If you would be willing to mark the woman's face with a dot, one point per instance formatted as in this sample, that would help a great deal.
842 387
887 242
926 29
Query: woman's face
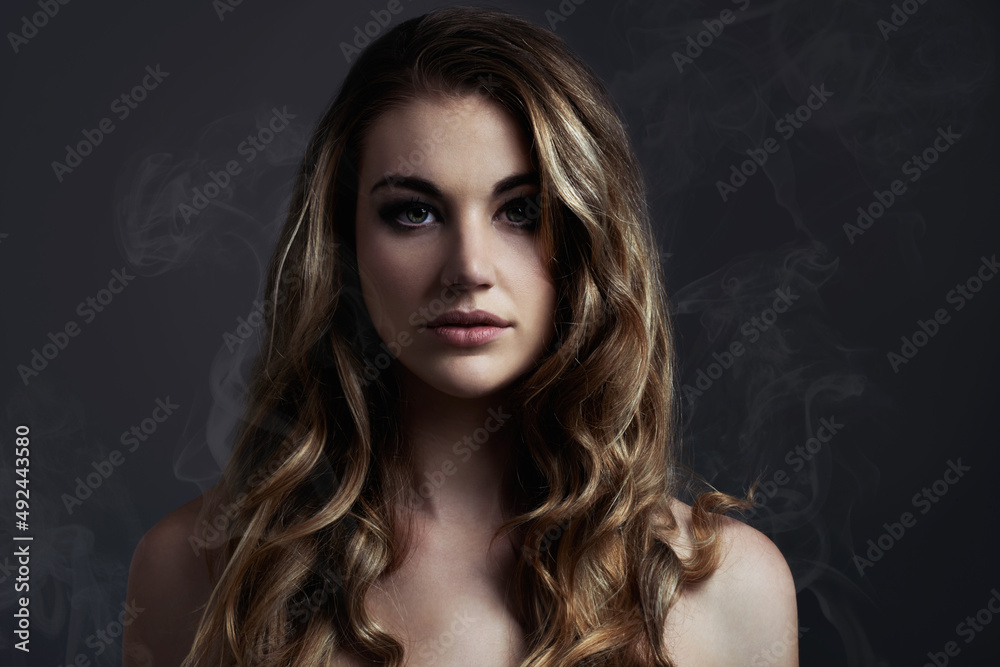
447 202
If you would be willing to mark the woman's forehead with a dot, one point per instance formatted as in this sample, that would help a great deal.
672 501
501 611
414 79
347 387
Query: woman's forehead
469 138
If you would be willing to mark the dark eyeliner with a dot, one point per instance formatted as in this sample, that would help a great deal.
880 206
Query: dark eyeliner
390 211
523 202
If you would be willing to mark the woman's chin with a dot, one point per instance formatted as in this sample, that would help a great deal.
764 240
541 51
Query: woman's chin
472 381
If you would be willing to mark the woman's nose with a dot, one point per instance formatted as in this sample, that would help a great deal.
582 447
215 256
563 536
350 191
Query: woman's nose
470 252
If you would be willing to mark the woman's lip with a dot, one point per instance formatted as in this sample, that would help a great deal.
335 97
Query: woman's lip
468 336
469 318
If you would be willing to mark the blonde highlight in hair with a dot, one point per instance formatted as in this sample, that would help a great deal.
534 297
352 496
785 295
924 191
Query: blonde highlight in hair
597 415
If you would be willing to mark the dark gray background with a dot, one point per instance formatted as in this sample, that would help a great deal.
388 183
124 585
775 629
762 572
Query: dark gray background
826 357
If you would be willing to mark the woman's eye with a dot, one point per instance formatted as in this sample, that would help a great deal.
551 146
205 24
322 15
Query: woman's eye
521 213
408 214
516 214
417 215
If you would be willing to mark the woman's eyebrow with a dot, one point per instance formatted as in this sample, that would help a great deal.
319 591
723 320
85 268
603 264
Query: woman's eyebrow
408 182
426 187
516 180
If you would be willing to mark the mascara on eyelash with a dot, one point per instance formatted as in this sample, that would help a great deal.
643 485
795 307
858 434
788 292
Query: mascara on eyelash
390 211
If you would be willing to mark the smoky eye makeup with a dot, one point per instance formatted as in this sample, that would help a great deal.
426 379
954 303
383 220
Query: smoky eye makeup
408 214
520 213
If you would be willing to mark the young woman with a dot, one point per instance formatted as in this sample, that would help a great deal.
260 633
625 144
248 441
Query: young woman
459 447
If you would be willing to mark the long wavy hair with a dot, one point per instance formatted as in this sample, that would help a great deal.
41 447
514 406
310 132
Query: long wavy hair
310 494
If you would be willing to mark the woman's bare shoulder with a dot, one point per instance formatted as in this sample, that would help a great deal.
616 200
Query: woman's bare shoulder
745 612
168 585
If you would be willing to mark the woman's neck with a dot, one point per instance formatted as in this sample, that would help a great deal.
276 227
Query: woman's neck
459 451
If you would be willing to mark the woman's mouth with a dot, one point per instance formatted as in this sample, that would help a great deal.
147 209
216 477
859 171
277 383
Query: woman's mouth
468 336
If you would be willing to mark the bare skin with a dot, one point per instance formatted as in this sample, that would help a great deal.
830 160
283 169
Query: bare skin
448 603
448 593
